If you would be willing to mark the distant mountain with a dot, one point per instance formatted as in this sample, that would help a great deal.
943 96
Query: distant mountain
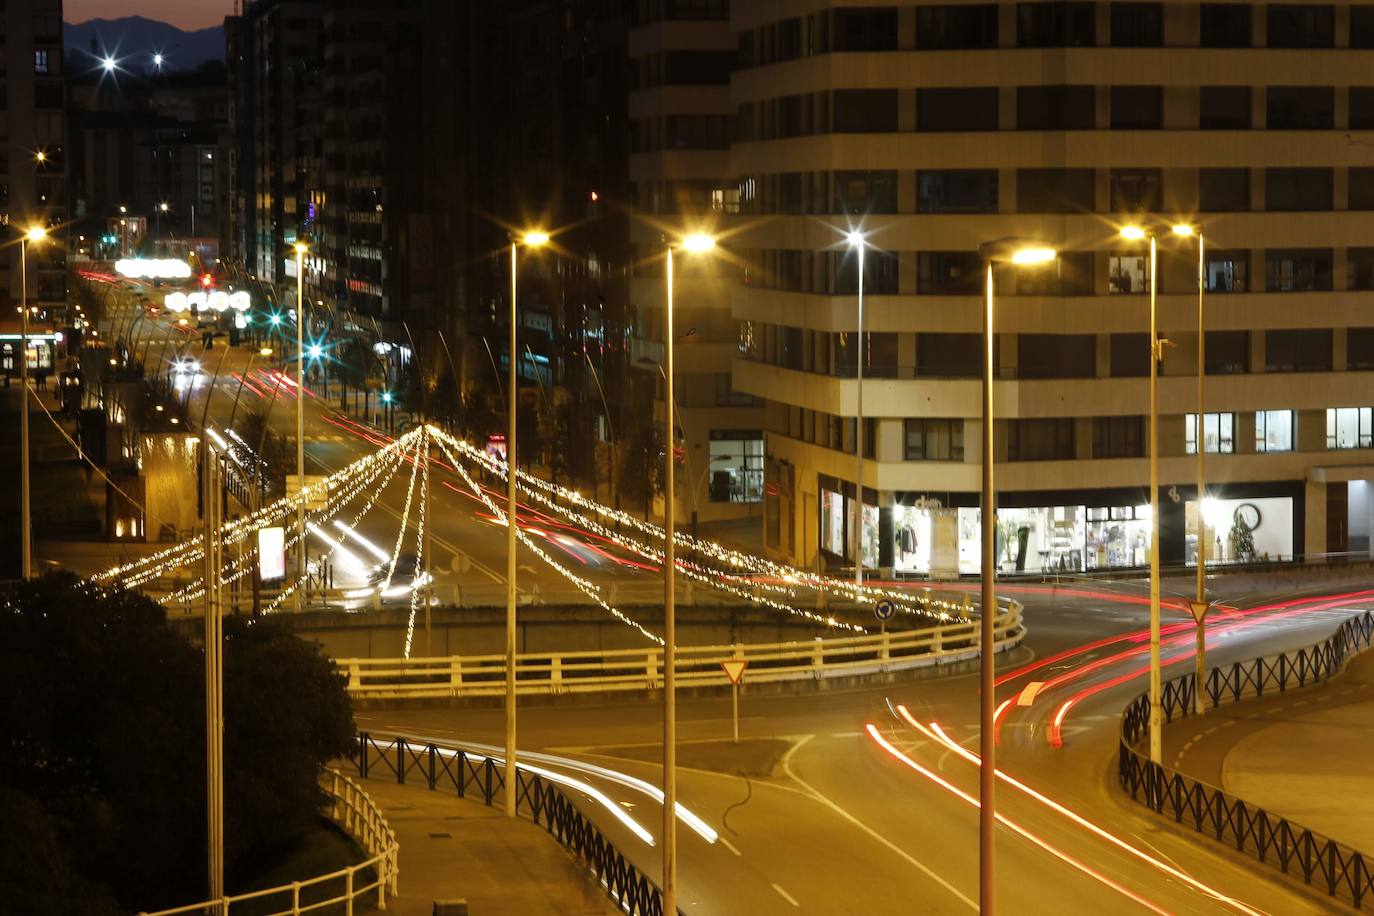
134 40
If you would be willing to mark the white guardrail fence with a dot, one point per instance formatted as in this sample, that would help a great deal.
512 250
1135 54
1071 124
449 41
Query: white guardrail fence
697 666
354 811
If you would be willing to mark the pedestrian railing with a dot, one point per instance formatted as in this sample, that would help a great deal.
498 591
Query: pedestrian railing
1321 862
697 666
355 886
452 769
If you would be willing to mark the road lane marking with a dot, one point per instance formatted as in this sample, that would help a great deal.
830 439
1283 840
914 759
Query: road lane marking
786 896
787 768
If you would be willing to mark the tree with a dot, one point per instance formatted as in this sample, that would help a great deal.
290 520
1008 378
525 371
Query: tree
103 727
641 463
273 450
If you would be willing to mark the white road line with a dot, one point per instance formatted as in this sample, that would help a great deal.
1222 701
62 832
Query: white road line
787 768
786 896
731 846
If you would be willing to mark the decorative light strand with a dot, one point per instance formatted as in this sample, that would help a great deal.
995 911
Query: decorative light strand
586 587
419 542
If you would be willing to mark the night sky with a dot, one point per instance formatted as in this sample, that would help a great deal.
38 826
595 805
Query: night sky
184 14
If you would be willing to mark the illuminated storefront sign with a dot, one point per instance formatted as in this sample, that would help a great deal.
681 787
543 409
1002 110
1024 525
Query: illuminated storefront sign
153 269
216 300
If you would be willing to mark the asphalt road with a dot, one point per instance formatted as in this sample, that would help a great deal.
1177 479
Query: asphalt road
863 812
841 825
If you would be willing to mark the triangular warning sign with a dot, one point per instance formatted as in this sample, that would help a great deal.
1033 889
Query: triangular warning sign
734 669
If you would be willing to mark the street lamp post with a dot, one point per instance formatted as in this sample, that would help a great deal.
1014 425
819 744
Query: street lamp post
533 239
32 234
303 589
856 241
1135 233
696 243
1184 230
1021 253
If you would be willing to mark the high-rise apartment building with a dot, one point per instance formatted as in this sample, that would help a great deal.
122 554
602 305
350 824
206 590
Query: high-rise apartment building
681 115
932 128
34 186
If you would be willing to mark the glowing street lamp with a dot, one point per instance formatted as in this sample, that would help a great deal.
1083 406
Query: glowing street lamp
32 235
694 243
533 238
1137 234
1020 253
855 240
300 248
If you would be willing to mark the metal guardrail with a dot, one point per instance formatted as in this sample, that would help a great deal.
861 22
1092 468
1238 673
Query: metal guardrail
354 811
1344 873
464 773
697 666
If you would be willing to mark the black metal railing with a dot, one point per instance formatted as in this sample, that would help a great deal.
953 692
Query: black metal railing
477 775
1321 862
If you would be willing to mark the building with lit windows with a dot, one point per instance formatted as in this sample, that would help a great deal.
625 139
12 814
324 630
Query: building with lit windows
933 128
681 122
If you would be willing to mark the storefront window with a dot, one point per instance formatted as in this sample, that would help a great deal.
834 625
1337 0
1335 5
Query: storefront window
1244 530
832 522
1117 536
911 539
870 537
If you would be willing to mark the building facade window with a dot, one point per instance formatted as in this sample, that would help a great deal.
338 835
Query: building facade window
956 191
949 355
1054 356
1040 439
1359 349
1137 107
857 193
1297 270
1349 427
1218 433
934 440
957 109
1118 437
1224 108
40 61
1225 271
948 273
1297 350
1362 25
956 28
1137 190
865 111
1137 25
1300 108
1223 190
1297 189
1055 107
1128 273
1225 25
1228 353
1305 26
1055 190
736 474
865 29
1056 25
1274 430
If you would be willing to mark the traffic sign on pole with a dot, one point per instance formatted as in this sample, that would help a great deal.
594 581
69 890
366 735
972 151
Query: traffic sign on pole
885 610
734 670
1199 609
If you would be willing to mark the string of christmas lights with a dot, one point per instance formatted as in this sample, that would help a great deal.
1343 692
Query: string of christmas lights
586 587
243 564
419 542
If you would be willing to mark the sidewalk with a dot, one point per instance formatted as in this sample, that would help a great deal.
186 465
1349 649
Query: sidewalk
458 848
1312 764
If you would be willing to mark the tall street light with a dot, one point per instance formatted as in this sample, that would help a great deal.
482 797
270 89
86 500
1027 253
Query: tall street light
1137 234
696 243
1020 253
301 248
1199 605
31 235
532 239
856 241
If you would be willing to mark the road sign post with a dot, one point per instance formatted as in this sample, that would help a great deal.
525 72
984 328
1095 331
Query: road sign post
1199 609
734 670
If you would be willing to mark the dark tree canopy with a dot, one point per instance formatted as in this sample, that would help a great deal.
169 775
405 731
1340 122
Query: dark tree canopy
103 727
